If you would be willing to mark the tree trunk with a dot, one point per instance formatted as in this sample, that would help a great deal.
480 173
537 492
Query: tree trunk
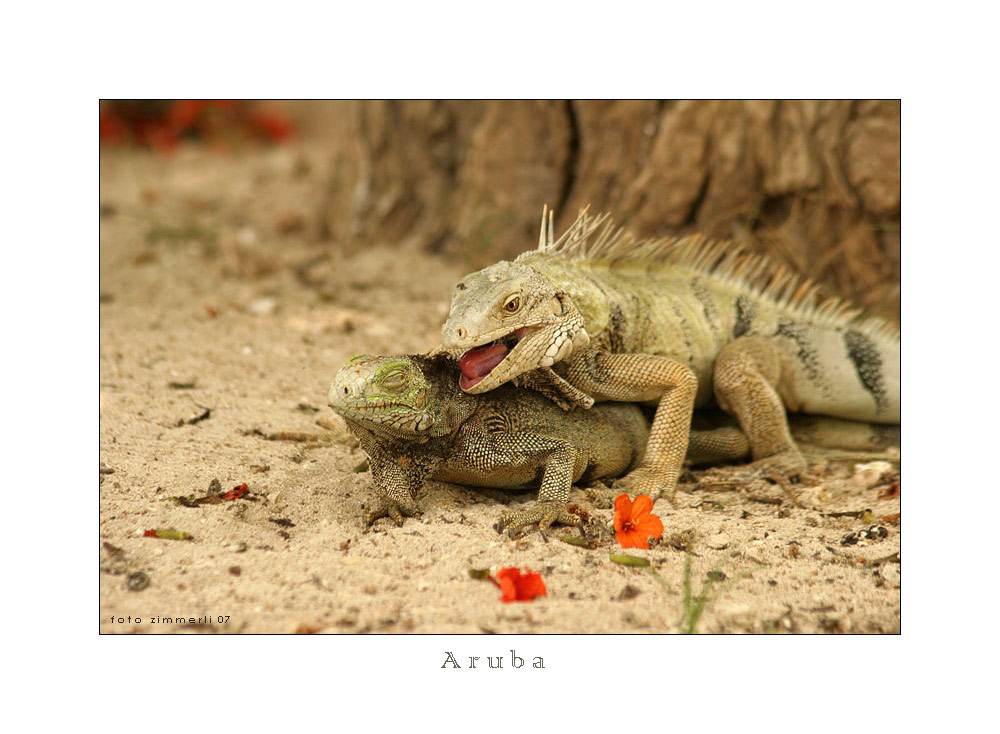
814 184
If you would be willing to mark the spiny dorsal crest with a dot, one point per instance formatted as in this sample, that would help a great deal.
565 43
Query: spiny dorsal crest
596 241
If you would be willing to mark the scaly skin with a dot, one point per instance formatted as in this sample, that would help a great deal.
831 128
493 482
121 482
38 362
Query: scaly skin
415 423
679 323
716 438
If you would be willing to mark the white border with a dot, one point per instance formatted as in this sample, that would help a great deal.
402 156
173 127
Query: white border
61 59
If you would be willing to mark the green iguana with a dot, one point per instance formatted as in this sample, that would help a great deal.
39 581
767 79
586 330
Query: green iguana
414 423
598 315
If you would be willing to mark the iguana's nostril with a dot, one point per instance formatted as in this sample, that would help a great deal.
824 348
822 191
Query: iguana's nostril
461 332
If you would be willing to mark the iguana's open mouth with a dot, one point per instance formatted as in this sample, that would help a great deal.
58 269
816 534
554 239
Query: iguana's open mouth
476 363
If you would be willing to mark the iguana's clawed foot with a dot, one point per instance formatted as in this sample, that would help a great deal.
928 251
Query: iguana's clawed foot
555 388
645 480
395 511
542 515
785 469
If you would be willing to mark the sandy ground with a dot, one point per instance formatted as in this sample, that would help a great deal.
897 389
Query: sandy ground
223 320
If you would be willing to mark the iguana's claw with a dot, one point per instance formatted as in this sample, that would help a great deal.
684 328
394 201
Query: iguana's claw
392 509
788 467
645 480
541 514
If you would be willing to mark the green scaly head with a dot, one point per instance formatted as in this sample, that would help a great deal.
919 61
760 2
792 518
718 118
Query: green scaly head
404 395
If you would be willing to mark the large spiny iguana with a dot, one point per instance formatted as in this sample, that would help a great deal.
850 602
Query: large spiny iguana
598 315
414 423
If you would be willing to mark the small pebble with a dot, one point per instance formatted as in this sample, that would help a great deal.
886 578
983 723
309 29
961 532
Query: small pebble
735 609
718 542
872 532
237 547
866 476
137 581
262 306
629 592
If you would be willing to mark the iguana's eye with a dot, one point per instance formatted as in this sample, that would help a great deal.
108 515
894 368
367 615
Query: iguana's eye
394 381
513 304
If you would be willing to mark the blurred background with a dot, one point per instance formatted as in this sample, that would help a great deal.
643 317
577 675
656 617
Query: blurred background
814 184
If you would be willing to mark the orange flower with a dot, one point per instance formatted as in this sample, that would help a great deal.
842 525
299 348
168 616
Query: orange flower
635 521
517 586
236 492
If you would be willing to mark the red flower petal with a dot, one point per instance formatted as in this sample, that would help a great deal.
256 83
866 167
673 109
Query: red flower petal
520 587
236 492
635 521
529 586
623 511
631 539
643 505
508 589
650 526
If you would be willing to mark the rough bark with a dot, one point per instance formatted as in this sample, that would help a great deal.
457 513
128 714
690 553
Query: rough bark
815 184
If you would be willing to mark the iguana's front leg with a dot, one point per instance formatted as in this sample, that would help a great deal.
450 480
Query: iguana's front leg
519 450
639 378
396 476
396 490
